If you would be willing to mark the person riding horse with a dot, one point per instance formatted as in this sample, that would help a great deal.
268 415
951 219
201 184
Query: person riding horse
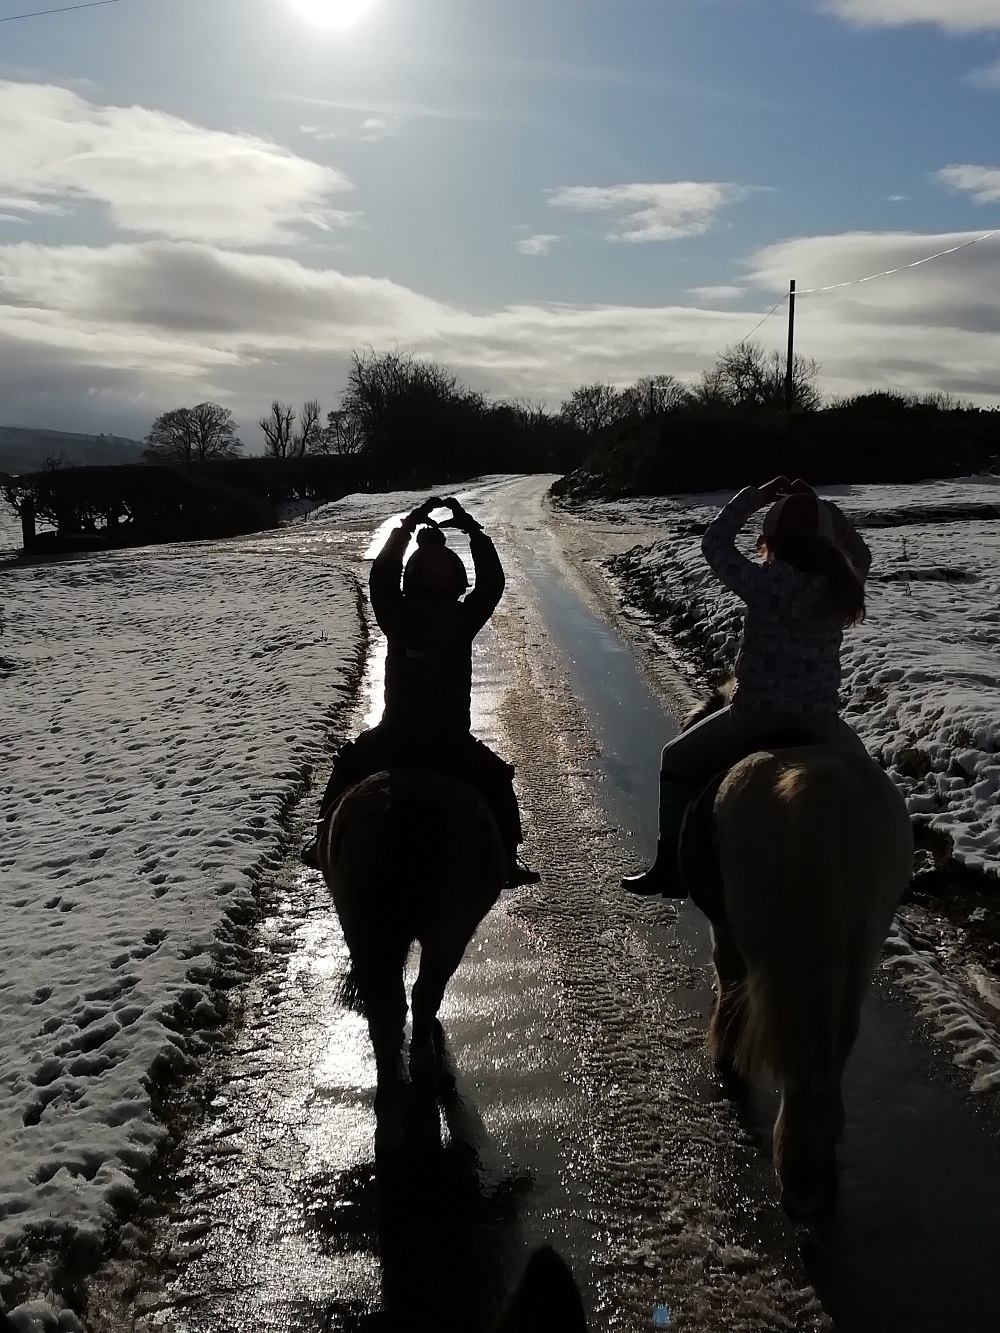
807 587
429 627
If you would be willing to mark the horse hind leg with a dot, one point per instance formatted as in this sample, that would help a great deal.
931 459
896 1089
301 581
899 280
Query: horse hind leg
438 962
810 1121
383 996
728 1017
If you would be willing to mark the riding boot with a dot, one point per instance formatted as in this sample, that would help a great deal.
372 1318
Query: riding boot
309 855
520 873
664 876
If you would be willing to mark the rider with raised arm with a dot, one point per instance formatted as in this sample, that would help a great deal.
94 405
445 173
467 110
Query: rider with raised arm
806 588
429 627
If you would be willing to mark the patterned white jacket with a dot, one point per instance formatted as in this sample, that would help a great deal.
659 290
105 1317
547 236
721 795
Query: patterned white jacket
789 654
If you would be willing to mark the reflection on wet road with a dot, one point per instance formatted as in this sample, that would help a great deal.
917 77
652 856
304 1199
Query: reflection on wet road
575 1103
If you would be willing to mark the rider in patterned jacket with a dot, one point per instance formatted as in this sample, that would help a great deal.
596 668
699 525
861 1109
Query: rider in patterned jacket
806 588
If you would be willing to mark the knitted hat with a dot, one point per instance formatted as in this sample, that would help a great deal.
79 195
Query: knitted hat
433 561
799 515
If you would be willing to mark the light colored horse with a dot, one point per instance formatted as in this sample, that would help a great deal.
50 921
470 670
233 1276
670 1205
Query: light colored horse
816 850
408 856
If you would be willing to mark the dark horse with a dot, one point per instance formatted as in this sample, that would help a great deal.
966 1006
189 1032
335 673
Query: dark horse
815 850
408 856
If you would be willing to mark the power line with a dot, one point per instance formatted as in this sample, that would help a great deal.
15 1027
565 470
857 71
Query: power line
870 277
886 272
777 303
63 9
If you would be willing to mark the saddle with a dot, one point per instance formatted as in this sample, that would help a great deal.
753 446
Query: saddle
698 849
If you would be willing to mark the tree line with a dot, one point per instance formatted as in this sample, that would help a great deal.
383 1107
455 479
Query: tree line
391 393
402 418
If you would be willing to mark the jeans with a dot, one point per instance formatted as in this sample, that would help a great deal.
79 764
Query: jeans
722 738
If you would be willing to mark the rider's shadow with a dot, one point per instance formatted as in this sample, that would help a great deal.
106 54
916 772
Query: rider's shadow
443 1213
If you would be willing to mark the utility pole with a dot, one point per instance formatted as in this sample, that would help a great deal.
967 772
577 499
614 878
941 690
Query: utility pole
789 363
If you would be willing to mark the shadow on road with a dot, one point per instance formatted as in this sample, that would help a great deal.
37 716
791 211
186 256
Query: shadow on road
442 1214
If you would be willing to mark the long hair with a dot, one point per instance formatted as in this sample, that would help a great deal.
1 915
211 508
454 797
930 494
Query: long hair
845 590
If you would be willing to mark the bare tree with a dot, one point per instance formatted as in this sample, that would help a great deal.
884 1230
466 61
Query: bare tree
745 375
277 428
527 416
593 407
341 435
380 383
193 435
652 395
307 437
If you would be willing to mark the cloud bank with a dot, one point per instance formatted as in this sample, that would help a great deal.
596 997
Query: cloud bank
155 174
131 329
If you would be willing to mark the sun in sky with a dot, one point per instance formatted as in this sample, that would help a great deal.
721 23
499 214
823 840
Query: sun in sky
332 13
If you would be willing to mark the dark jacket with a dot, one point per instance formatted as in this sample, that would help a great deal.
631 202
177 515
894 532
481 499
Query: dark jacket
428 668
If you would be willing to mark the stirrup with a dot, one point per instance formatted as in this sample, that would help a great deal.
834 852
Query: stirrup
309 855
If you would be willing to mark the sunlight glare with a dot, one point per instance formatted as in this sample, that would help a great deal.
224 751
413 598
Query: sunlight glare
332 13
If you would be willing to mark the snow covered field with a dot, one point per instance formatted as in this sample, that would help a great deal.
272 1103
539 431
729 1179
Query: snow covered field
921 675
163 707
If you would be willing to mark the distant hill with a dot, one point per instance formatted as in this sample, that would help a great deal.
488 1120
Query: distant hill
24 449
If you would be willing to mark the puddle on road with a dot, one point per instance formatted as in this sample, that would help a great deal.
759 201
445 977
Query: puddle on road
290 1223
286 1220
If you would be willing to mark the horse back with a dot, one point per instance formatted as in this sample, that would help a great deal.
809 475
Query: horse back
407 848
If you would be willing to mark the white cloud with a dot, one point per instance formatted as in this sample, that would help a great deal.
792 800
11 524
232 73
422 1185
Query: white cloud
371 127
988 78
30 206
955 15
982 183
652 212
725 292
377 127
156 174
131 329
539 244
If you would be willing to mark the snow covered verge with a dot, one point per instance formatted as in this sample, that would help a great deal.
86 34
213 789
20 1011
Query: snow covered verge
921 677
161 710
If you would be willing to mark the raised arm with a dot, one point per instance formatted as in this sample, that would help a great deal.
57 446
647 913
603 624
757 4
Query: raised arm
482 601
746 578
386 574
490 580
850 540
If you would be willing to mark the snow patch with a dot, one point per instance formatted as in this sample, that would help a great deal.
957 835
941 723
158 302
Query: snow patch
921 676
163 708
954 1018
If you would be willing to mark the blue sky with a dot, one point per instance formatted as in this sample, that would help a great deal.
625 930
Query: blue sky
221 198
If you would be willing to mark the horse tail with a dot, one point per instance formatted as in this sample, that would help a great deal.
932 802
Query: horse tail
811 908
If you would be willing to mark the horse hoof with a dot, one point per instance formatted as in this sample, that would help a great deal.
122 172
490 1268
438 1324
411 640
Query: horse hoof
806 1203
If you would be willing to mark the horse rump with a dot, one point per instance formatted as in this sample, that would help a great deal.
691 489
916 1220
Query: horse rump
812 882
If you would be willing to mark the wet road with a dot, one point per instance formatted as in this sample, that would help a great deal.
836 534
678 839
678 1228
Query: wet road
580 1107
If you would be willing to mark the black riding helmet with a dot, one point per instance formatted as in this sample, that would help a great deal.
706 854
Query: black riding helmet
434 567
